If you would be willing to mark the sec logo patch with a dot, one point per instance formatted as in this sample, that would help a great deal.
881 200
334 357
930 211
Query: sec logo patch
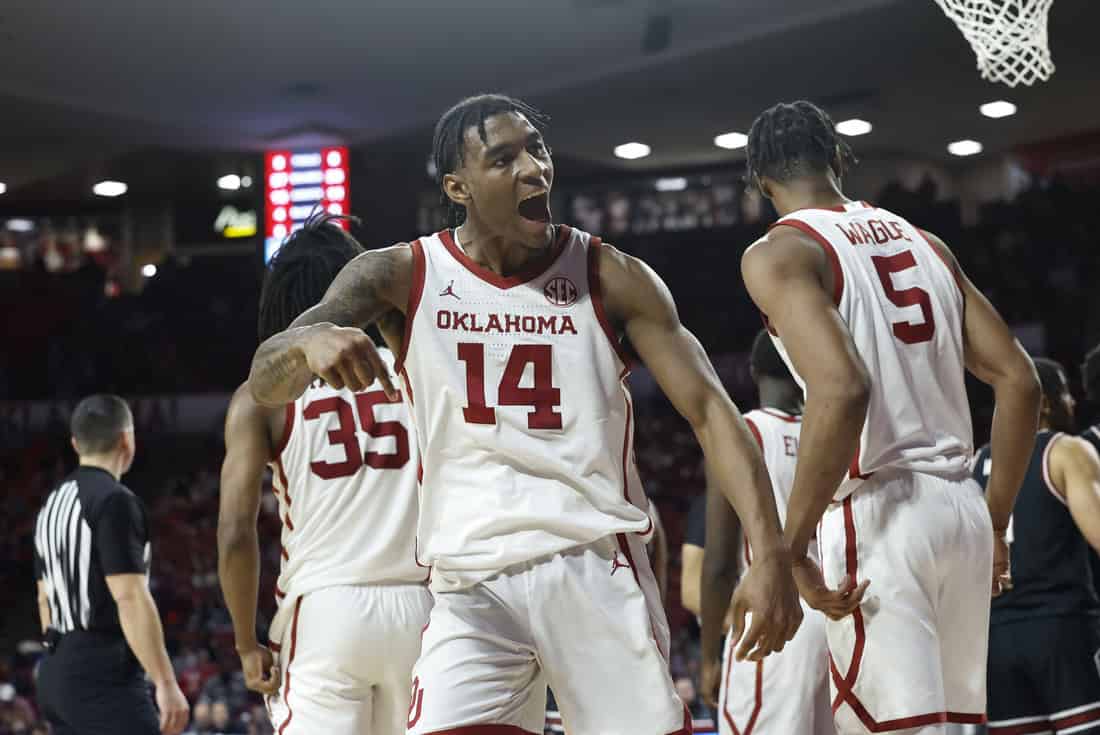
560 291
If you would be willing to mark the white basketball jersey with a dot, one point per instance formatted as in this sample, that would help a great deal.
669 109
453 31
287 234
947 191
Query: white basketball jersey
521 408
346 482
777 432
904 309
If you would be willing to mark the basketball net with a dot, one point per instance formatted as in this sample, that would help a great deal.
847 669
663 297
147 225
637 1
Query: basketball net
1009 37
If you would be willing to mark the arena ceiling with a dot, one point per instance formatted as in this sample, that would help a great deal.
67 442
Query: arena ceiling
83 82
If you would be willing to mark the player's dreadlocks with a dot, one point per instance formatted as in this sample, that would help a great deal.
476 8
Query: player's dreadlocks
449 141
765 360
303 269
795 139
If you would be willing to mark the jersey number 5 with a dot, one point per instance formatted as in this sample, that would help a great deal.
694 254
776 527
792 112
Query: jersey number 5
345 435
543 397
908 332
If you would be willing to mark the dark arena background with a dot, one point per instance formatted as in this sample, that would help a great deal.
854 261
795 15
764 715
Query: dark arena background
154 155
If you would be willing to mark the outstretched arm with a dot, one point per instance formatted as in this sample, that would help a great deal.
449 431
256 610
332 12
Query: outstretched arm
248 448
784 274
636 298
995 357
328 339
1075 472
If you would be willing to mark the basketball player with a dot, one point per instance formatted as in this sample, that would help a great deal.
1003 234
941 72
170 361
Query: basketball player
878 323
1044 638
789 692
532 511
352 599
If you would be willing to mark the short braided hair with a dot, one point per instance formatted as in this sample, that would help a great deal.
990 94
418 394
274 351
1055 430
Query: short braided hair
795 139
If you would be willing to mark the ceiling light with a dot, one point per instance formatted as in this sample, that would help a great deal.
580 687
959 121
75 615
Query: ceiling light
631 151
999 108
246 181
3 187
148 270
229 182
678 183
20 225
731 141
109 189
964 148
853 127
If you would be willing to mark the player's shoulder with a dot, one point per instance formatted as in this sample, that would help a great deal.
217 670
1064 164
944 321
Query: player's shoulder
781 246
245 418
1071 448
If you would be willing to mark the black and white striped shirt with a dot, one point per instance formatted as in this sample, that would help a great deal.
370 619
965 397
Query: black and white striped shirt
90 527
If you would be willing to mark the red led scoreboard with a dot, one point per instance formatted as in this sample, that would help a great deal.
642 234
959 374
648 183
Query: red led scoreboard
298 183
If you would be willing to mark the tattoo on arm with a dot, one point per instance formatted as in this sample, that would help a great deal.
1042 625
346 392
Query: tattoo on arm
362 292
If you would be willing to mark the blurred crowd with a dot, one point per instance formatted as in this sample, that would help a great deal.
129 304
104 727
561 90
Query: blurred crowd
192 331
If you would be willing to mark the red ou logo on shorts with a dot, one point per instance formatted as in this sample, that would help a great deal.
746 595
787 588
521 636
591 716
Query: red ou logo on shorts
560 291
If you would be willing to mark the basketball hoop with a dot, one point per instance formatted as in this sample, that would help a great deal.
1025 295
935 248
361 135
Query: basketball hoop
1009 37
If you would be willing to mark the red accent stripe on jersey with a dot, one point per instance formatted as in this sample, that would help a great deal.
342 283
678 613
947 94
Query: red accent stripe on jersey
781 415
275 647
293 648
854 472
755 432
1063 723
484 730
495 279
834 260
288 426
758 704
282 552
1046 469
283 481
278 592
416 291
408 385
768 325
288 522
595 293
845 687
939 254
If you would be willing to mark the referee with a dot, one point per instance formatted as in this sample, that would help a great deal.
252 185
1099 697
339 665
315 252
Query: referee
100 622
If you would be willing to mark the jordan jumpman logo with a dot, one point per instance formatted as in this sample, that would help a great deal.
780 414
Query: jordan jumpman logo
450 290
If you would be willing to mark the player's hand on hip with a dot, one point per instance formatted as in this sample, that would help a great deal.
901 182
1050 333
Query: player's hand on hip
1002 572
837 603
767 590
173 706
711 681
261 673
345 357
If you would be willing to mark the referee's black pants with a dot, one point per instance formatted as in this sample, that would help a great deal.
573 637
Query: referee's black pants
91 684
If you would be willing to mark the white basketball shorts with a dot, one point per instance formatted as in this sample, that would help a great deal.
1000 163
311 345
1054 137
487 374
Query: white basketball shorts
914 655
346 660
785 694
586 621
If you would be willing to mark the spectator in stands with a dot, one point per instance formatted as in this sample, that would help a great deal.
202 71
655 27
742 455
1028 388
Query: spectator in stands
224 723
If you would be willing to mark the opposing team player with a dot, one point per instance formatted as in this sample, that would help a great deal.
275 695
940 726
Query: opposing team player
1044 638
789 691
532 509
878 322
352 599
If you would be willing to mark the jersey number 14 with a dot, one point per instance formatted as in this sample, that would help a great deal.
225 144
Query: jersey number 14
543 397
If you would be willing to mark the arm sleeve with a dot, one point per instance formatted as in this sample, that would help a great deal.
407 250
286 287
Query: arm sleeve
695 532
121 535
